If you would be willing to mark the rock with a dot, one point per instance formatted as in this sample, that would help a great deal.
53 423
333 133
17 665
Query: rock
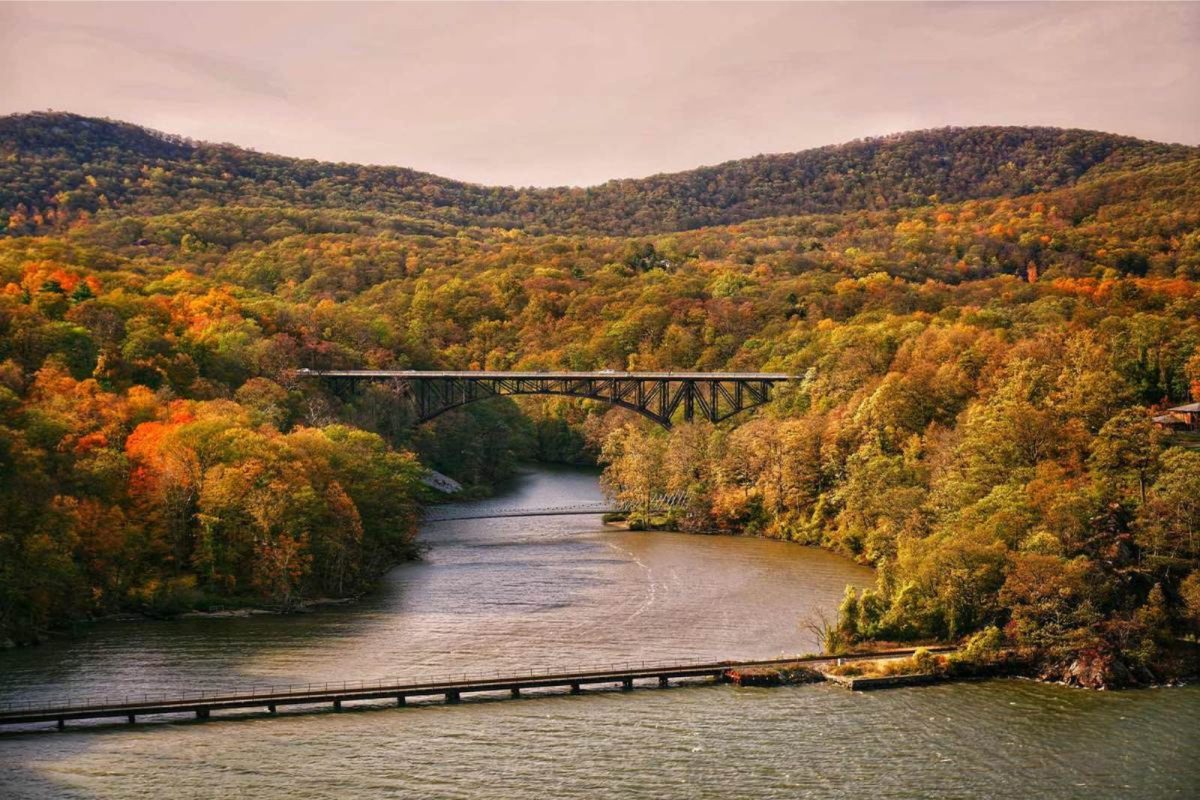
1098 670
442 483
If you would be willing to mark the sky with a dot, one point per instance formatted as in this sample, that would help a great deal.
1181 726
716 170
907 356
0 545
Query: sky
548 94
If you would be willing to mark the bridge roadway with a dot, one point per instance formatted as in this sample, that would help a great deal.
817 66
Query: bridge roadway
202 704
659 396
603 374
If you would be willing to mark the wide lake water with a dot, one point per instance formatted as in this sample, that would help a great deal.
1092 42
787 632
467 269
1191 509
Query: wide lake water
536 592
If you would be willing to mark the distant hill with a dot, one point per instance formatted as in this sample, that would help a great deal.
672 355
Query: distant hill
55 167
985 321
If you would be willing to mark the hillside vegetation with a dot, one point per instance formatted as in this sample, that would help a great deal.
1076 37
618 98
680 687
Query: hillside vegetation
978 370
56 167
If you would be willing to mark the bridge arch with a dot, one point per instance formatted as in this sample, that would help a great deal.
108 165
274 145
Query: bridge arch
658 396
621 403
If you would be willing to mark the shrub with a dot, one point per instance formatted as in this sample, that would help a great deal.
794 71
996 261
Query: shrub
168 596
924 661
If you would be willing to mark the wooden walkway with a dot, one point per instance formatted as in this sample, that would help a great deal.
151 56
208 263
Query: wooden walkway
659 504
451 689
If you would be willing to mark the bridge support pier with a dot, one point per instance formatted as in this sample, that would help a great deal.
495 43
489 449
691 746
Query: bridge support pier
401 700
132 719
453 697
627 684
337 705
271 709
516 692
663 681
201 713
62 723
575 689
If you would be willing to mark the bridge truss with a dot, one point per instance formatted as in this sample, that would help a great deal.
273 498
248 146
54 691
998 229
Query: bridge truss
660 396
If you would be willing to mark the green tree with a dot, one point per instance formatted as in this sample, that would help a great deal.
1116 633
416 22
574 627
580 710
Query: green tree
1169 523
1127 449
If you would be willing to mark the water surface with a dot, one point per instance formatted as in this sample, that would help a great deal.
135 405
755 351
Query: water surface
537 592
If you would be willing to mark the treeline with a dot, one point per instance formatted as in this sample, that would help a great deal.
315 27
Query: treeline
1006 481
132 500
977 376
734 296
57 168
157 456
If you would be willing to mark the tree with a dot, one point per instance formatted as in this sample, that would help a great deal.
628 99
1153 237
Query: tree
1192 371
1189 590
1127 448
634 476
268 399
1169 523
1051 601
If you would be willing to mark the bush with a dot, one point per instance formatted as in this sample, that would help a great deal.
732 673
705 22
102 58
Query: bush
924 661
981 647
168 596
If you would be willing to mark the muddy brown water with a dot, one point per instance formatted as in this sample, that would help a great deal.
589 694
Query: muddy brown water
520 593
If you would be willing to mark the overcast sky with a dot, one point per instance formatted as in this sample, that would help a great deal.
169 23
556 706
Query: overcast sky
547 94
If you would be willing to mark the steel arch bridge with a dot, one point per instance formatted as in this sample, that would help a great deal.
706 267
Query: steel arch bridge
659 396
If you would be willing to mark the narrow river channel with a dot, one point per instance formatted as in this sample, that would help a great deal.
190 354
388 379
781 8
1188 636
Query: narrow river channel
519 593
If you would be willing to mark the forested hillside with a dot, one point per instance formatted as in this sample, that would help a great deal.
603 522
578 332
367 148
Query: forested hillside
980 346
55 168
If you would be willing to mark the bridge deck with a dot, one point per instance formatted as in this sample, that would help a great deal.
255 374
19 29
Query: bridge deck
201 704
659 396
593 375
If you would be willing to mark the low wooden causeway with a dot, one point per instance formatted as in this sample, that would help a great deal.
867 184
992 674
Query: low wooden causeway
201 705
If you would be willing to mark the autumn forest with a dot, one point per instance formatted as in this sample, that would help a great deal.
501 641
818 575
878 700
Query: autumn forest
983 321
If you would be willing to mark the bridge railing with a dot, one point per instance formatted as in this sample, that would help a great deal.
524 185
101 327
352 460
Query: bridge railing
251 691
451 680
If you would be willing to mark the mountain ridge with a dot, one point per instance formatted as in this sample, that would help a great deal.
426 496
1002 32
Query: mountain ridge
57 167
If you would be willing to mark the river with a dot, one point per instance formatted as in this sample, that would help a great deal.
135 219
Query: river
519 593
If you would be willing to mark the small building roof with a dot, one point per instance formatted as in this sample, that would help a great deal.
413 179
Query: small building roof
1190 408
1165 419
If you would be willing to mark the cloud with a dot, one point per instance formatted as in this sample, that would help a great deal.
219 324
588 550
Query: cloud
578 93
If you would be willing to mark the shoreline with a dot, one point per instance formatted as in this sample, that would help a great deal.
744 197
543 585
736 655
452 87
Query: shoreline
1183 671
234 612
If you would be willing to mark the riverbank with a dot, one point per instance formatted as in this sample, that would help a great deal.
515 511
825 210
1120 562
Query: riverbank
231 609
926 666
487 594
510 594
179 598
1177 662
